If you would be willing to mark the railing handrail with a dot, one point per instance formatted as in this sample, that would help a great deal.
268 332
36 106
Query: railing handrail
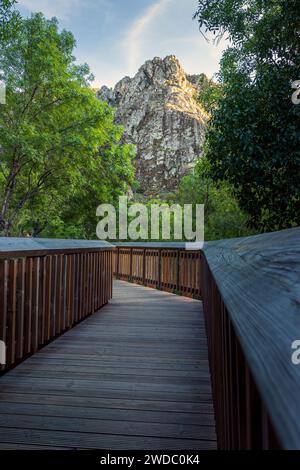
258 280
27 246
186 246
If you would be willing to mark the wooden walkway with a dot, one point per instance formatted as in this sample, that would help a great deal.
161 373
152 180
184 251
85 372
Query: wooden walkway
133 376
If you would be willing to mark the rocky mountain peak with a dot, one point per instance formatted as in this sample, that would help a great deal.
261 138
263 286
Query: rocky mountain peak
162 118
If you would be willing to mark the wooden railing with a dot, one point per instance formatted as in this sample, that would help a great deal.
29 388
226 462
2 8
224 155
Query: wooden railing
46 287
166 266
251 298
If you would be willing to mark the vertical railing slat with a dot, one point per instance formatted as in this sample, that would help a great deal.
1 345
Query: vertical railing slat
20 307
3 299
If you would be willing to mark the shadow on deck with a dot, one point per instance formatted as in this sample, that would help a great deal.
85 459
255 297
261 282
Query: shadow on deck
135 375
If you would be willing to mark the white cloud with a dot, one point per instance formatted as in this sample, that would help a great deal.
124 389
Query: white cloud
113 50
62 9
137 30
167 28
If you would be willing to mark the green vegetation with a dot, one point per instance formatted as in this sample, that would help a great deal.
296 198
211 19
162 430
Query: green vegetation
61 153
60 149
210 94
9 19
223 216
253 141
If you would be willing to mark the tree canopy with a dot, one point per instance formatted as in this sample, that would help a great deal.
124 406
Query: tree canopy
253 141
223 216
61 154
9 19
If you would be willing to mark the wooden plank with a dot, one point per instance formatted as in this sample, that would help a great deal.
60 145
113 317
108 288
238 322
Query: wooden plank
20 308
42 303
74 387
107 426
134 387
81 440
48 290
28 305
3 298
64 292
58 303
115 361
93 381
70 368
69 291
35 303
80 283
54 294
76 287
68 410
84 402
11 311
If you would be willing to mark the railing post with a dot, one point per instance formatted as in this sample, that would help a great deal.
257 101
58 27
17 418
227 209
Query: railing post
144 265
178 271
159 269
3 302
131 261
118 262
200 275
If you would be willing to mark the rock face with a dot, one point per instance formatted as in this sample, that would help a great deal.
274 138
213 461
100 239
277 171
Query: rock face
162 119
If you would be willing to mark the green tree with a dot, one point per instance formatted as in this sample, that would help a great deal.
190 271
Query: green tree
210 93
9 19
253 141
223 216
60 149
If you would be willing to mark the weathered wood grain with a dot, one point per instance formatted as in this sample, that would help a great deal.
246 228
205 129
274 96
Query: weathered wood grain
13 246
258 279
132 376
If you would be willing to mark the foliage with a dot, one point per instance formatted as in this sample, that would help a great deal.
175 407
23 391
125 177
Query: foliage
254 137
210 93
223 216
60 149
9 19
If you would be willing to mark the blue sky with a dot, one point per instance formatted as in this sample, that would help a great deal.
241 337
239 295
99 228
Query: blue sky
115 37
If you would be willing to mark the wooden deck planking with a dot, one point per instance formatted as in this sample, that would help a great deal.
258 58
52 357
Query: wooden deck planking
134 375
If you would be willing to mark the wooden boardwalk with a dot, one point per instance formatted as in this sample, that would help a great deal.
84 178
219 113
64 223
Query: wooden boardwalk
133 376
